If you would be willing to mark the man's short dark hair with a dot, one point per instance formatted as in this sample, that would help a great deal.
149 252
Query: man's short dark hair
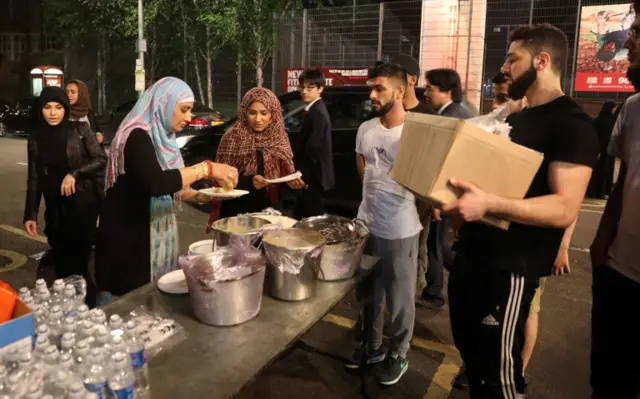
499 79
313 77
387 70
446 80
543 37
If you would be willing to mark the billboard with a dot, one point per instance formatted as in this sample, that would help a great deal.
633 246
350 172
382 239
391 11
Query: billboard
334 77
601 61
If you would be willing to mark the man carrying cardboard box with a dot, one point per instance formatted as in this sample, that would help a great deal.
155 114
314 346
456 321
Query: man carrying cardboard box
390 213
496 272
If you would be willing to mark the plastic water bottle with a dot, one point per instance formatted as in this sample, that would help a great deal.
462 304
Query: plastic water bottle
135 347
103 338
15 385
95 376
29 301
25 361
116 324
80 354
99 317
69 325
44 330
51 359
66 361
23 292
40 283
121 379
11 358
35 390
40 313
55 322
57 385
82 313
43 296
76 390
118 344
85 331
67 342
42 342
69 300
58 290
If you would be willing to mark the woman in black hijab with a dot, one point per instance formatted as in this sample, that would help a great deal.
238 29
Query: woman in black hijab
602 179
66 166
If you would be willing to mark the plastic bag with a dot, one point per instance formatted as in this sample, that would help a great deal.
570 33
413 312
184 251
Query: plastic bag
80 284
494 122
289 250
234 261
157 331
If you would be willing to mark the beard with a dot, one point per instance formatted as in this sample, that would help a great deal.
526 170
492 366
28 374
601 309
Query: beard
633 75
519 86
384 108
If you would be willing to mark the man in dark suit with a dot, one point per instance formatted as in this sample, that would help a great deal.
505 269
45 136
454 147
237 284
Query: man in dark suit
444 93
313 154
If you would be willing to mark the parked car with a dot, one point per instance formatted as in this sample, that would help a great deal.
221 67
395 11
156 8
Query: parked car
203 117
348 106
18 119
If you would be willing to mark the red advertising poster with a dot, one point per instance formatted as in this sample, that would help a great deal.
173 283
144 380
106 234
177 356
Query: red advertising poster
334 77
601 61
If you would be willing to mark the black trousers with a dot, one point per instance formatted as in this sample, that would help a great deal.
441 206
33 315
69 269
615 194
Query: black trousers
70 230
309 202
488 310
615 338
440 256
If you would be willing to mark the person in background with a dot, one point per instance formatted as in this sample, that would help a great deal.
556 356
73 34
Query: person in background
602 180
314 150
496 272
138 233
444 94
66 166
81 106
258 147
500 84
615 253
389 211
412 69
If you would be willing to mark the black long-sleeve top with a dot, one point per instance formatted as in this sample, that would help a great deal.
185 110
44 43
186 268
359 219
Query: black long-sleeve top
123 250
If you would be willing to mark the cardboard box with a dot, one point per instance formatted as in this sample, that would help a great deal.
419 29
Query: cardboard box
19 331
434 149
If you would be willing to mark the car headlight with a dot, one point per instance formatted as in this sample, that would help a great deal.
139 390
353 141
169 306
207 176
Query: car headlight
183 140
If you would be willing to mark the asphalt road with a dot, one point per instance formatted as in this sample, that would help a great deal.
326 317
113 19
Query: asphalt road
559 368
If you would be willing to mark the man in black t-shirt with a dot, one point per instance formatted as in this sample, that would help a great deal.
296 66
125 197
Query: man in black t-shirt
412 69
496 272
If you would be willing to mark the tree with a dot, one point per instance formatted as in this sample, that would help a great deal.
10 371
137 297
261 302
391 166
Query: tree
255 30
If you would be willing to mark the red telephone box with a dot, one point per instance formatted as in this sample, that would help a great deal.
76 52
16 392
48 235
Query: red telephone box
45 76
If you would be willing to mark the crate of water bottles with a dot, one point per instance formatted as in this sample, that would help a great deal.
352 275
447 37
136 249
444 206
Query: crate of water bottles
80 353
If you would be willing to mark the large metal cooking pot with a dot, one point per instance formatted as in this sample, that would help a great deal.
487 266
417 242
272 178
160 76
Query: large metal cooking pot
293 257
243 225
345 241
226 303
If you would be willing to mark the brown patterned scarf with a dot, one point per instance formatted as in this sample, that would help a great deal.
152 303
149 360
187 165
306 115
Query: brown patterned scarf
81 108
238 146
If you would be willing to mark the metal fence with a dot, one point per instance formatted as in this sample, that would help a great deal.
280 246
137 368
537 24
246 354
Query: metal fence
470 36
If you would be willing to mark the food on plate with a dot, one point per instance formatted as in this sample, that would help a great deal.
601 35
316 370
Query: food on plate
227 186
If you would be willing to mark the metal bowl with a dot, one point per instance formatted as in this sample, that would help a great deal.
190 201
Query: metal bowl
244 225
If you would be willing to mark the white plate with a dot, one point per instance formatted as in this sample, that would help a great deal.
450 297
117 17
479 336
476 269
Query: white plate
284 221
173 283
201 247
285 179
218 192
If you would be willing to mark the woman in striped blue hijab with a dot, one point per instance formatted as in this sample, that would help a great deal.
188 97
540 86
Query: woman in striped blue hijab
138 235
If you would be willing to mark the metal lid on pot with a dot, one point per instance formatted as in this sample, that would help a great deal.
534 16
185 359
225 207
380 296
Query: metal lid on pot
335 229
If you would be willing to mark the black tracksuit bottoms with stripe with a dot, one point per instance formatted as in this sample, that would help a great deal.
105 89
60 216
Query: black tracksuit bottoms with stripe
488 310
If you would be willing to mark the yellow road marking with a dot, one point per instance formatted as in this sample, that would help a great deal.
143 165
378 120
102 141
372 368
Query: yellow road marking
17 260
23 233
442 382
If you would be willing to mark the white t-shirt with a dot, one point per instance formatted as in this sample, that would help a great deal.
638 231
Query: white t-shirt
388 208
624 253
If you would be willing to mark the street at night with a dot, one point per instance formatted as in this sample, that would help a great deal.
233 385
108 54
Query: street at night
312 368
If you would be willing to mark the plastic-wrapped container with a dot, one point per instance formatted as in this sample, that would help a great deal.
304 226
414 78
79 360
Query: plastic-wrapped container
294 257
225 286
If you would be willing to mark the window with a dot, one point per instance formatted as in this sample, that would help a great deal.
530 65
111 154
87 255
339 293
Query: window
51 43
21 44
5 44
348 110
293 114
